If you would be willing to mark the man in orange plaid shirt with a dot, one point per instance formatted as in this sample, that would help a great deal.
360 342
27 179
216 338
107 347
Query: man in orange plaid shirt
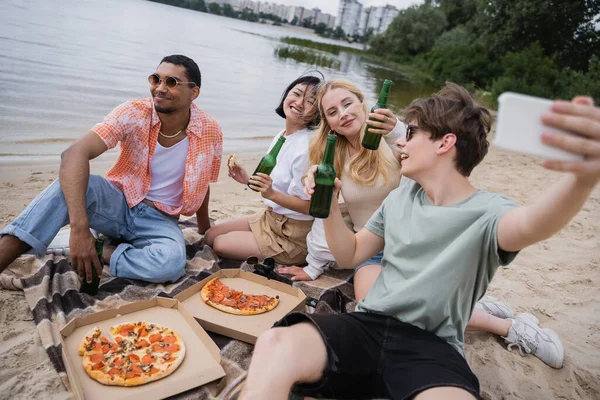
170 151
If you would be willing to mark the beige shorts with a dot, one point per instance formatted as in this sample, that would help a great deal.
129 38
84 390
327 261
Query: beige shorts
280 237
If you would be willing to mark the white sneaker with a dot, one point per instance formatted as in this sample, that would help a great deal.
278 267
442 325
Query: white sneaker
531 339
60 244
493 306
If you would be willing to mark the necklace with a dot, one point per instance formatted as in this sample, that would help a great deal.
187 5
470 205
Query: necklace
170 137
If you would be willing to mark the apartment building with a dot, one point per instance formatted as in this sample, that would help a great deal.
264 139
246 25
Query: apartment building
349 16
376 19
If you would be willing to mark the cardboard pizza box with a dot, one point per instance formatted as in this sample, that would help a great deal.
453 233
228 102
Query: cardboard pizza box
200 365
246 328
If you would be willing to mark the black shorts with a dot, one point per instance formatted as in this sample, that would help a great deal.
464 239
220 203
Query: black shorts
377 356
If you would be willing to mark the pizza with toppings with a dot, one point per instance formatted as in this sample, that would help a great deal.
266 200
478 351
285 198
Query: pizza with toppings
222 297
141 353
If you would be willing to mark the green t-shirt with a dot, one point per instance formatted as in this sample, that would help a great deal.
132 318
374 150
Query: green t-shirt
437 261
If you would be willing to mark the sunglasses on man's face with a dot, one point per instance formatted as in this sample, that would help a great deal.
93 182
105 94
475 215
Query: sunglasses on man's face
170 81
410 131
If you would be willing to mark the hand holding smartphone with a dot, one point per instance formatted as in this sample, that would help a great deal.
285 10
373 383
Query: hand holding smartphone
519 127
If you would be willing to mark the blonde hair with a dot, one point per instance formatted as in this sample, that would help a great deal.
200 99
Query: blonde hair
368 165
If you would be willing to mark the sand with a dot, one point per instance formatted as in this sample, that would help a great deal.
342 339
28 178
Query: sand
556 280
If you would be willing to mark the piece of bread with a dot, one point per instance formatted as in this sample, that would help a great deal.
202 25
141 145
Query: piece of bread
232 161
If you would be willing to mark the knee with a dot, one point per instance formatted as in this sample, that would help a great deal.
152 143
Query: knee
209 237
272 341
172 262
219 244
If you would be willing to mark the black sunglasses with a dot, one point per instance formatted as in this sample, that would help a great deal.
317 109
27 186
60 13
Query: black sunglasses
410 131
170 81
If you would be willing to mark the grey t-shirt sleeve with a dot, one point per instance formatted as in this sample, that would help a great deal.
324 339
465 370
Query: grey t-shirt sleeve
497 210
376 224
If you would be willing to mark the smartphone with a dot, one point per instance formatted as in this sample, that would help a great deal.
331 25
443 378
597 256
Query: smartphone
519 127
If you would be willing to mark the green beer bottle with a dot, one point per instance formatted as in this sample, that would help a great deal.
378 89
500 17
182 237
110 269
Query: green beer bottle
267 163
320 202
371 140
92 287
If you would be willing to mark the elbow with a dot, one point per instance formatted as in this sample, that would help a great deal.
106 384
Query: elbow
67 153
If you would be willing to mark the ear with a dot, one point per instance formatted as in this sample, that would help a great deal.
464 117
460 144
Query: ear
195 93
446 143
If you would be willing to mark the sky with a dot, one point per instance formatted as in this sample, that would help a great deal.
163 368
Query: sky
331 6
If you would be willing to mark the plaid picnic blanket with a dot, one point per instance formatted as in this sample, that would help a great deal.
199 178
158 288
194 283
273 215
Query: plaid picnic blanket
51 289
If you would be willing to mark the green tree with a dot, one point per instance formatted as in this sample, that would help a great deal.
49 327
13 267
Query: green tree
228 11
530 72
307 23
320 28
294 21
564 29
248 15
214 8
458 12
198 5
338 33
412 32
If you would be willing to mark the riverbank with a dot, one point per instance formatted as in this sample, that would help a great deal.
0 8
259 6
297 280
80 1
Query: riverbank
556 280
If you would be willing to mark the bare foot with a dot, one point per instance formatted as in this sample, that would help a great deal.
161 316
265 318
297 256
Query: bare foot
107 252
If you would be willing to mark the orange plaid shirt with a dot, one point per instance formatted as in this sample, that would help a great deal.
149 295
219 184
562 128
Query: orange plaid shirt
135 124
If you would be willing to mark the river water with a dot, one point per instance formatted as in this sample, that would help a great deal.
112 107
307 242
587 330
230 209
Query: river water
65 64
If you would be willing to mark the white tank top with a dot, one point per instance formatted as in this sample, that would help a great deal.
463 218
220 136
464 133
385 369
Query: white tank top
167 170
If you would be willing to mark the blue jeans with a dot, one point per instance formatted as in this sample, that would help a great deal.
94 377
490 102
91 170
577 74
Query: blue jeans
376 259
154 250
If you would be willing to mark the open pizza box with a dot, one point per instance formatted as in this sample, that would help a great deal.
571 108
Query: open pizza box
246 328
200 365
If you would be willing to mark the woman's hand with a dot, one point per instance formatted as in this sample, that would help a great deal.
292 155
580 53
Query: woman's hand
385 121
309 183
238 173
297 273
581 118
263 184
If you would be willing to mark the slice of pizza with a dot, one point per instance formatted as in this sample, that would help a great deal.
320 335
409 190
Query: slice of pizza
232 161
142 353
220 296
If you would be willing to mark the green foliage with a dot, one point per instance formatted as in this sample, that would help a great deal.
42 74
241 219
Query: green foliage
307 56
412 32
320 28
248 15
564 29
458 12
330 48
338 33
214 8
458 36
228 11
529 72
472 66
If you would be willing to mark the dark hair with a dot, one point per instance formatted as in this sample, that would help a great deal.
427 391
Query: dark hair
313 120
191 68
452 110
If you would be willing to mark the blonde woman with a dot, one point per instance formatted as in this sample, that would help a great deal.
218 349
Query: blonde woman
368 176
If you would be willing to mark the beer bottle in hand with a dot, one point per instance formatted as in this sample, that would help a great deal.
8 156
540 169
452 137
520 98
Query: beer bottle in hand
371 140
267 163
320 202
92 287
